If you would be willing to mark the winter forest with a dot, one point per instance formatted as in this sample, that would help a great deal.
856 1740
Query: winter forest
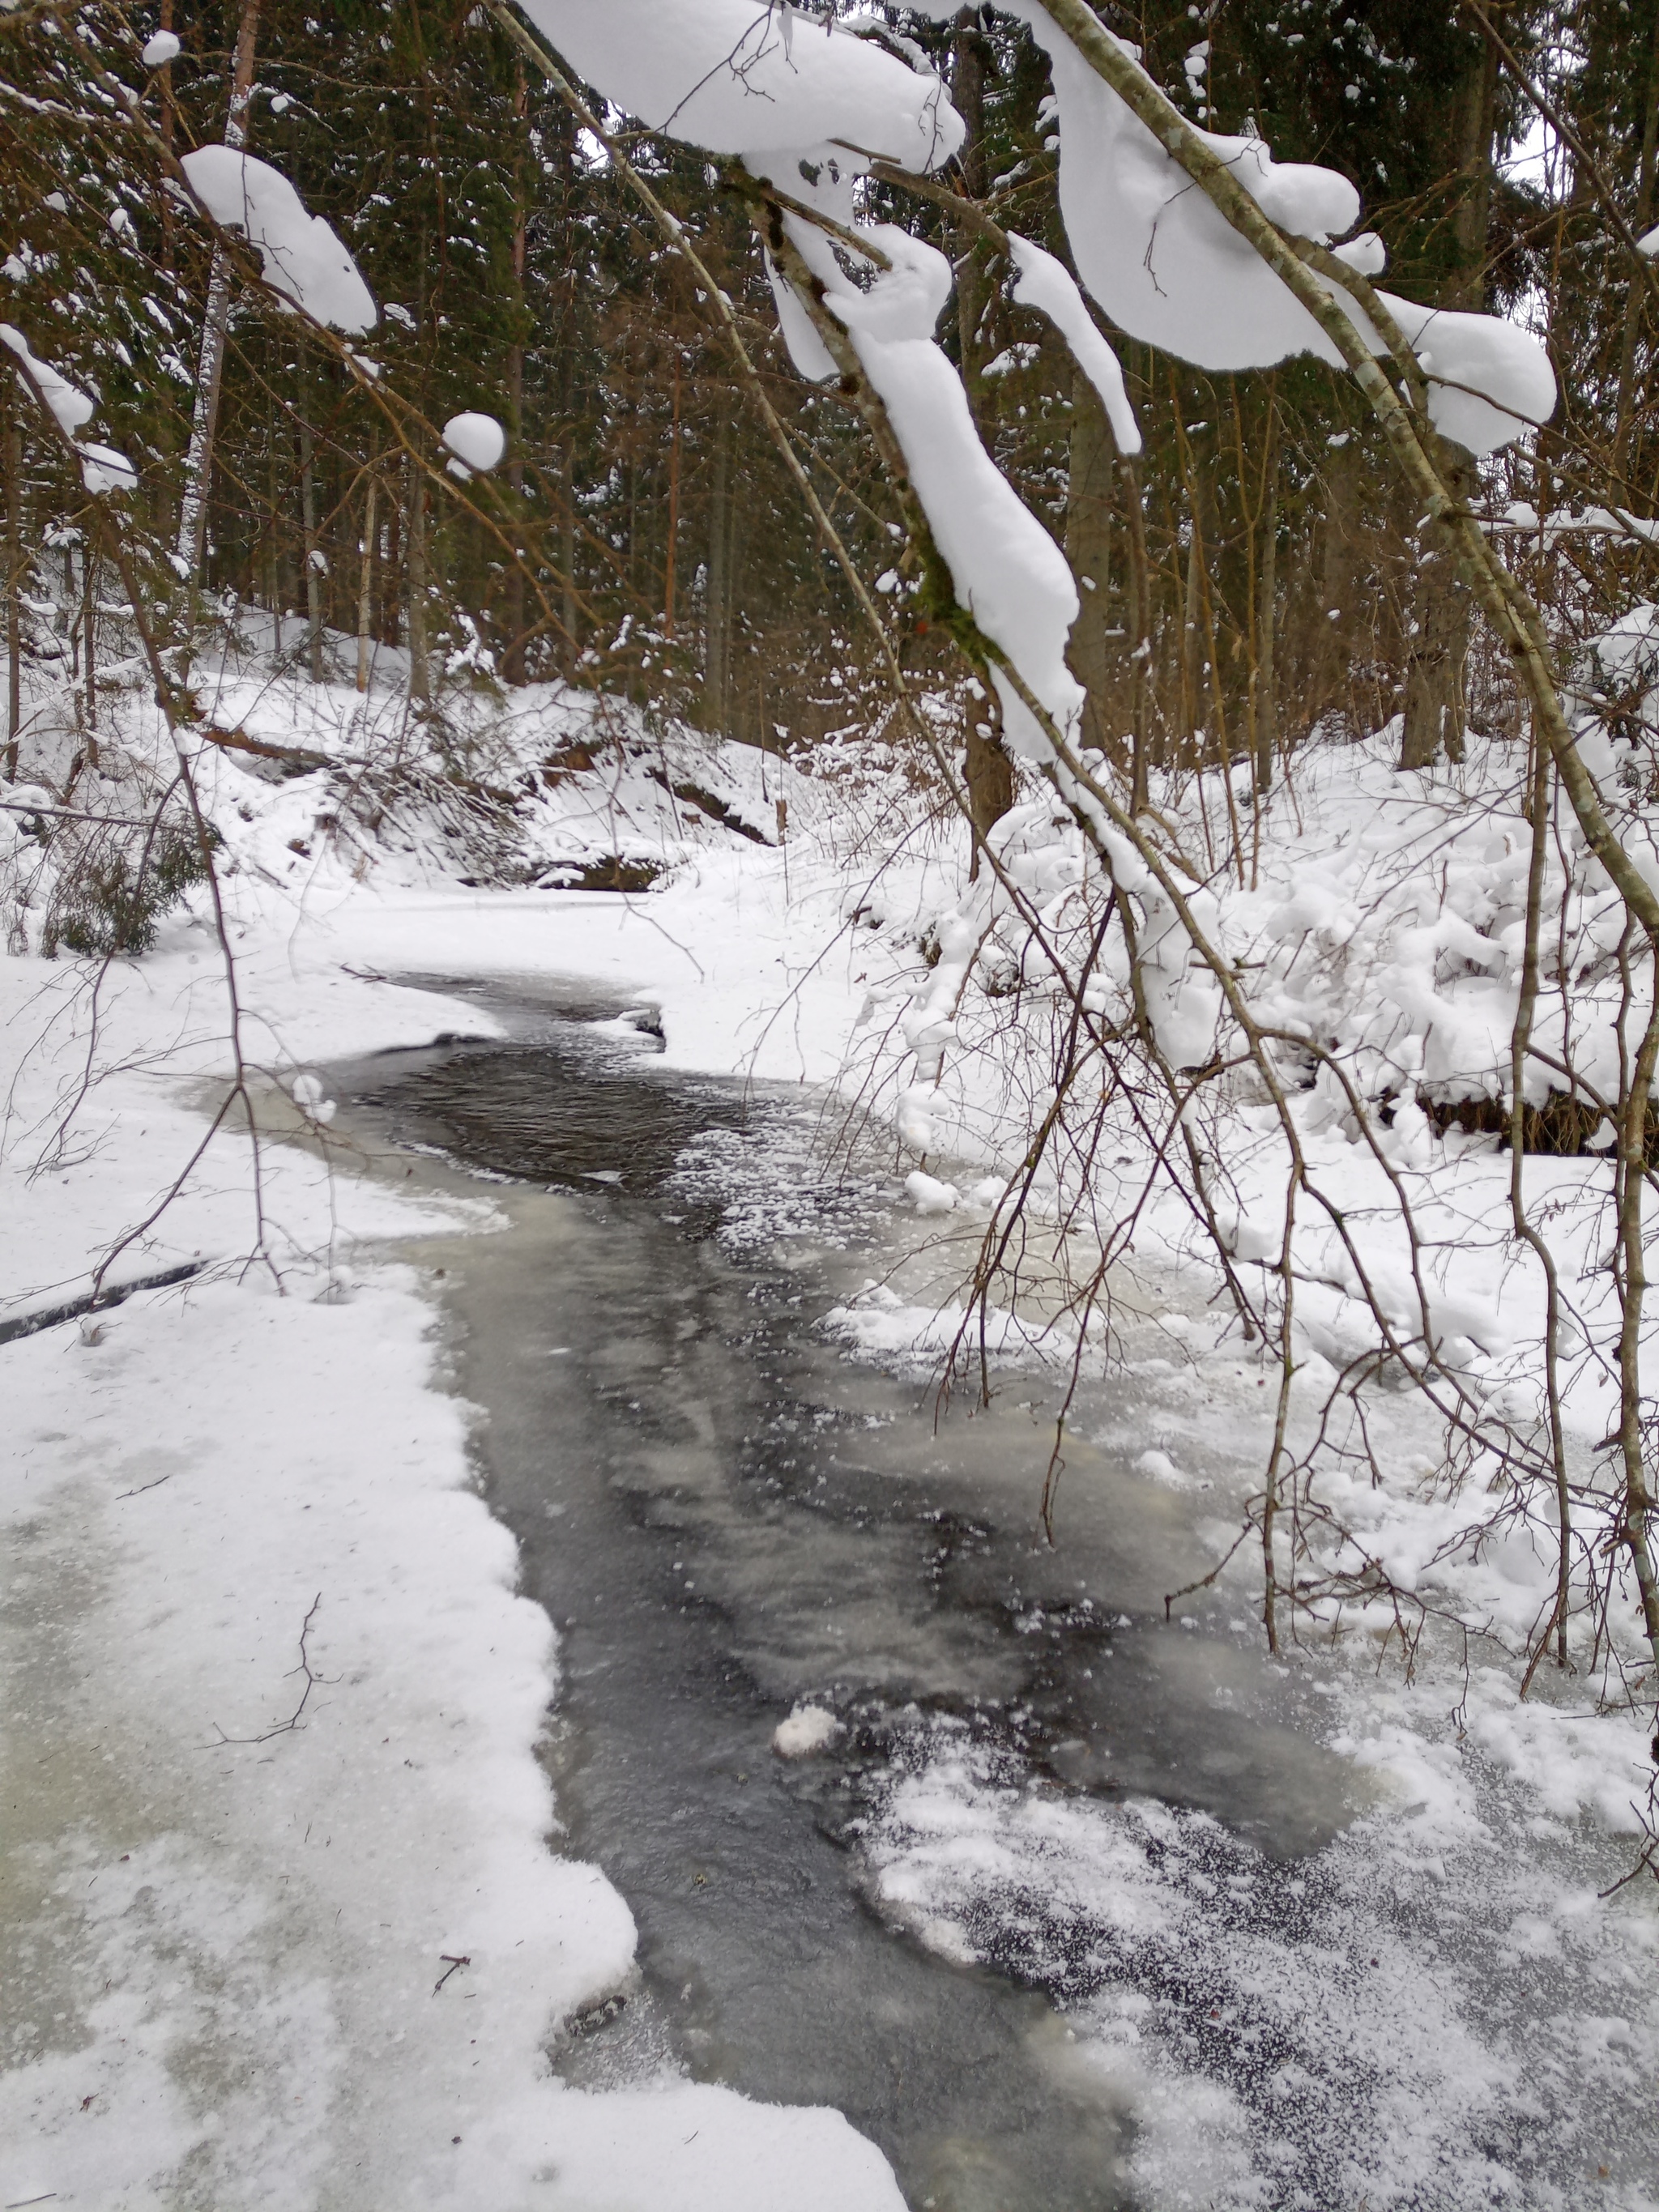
830 865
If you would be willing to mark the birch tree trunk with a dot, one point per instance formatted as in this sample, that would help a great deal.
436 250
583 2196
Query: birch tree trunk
198 460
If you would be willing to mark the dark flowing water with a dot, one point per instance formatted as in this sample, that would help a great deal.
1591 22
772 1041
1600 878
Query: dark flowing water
724 1515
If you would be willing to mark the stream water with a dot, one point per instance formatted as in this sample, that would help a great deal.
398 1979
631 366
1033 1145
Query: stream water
724 1515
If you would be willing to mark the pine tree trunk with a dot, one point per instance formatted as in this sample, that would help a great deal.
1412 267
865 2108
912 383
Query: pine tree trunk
1439 652
314 553
572 617
989 775
1089 503
967 98
420 685
1333 652
1142 749
1265 700
89 633
718 608
1192 644
513 668
365 591
669 586
13 596
1473 215
1436 702
198 461
1635 294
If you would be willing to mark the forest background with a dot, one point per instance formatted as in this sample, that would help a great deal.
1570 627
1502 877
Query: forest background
1256 577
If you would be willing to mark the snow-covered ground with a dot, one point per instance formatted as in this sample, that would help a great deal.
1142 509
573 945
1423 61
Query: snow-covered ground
244 1502
270 1762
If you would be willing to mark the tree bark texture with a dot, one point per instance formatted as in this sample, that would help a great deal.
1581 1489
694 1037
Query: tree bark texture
718 602
1089 513
1437 654
13 595
198 461
1265 694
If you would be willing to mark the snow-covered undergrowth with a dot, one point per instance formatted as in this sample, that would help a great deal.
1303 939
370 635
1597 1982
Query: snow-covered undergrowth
1375 929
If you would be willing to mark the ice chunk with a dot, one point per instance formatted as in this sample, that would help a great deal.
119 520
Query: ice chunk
931 1196
310 1099
809 1728
303 258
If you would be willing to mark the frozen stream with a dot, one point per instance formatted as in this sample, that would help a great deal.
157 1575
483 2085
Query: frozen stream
725 1515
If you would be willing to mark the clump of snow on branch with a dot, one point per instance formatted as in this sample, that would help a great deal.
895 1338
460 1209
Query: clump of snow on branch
738 78
102 469
303 257
161 49
1167 266
1007 571
1464 356
476 442
1049 285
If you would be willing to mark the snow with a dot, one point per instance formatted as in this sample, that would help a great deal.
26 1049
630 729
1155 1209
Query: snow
1465 356
808 1730
1006 569
159 49
1049 285
302 1445
69 405
102 469
478 441
1386 2026
735 78
1158 255
303 258
239 1926
1167 268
